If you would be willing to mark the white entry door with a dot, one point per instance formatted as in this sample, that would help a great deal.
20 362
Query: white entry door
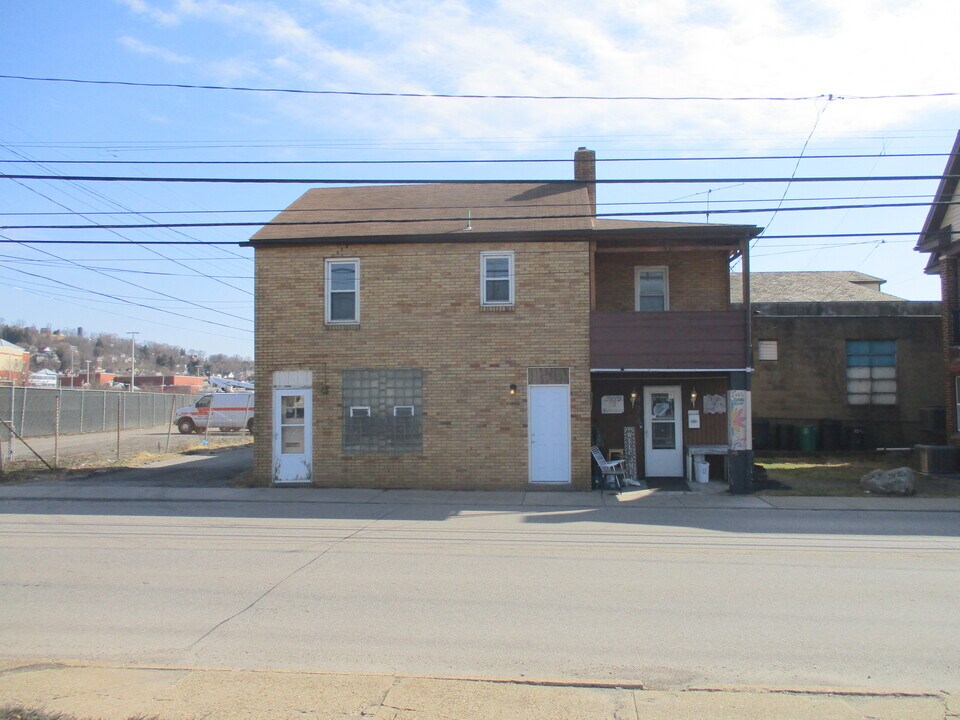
662 432
292 441
549 424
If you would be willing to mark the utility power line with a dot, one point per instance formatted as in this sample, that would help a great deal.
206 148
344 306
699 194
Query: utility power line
505 161
477 96
436 181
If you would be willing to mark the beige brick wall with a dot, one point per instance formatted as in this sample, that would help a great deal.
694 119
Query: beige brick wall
697 279
420 308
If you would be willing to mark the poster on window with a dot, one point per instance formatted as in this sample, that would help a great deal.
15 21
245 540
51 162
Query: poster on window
611 405
739 431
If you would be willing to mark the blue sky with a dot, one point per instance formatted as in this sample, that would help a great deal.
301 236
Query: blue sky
201 297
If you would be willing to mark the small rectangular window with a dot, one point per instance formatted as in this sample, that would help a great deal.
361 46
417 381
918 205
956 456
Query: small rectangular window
496 278
403 411
767 350
651 288
360 411
342 296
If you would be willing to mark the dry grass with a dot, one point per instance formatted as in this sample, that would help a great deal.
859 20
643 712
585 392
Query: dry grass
839 475
16 712
26 470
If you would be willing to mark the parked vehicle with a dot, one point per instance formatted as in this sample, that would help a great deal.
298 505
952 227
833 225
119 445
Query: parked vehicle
227 411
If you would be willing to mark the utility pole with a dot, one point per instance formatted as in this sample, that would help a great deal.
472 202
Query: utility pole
133 358
88 373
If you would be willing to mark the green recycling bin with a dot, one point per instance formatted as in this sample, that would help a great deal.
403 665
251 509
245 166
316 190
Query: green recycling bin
807 437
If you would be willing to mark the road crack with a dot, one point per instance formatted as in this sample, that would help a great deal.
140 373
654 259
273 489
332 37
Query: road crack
282 580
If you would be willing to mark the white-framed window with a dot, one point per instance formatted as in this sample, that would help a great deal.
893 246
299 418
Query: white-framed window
651 289
767 350
496 278
872 372
404 411
342 291
359 411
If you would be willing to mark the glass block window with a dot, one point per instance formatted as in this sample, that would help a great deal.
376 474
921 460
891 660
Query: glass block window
872 372
496 278
382 411
651 289
342 296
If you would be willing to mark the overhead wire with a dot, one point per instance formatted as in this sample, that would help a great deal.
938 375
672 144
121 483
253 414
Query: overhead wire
476 96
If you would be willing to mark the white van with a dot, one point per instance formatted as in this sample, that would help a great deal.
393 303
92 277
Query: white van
227 411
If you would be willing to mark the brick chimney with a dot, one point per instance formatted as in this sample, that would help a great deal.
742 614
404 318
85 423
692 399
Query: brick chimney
585 171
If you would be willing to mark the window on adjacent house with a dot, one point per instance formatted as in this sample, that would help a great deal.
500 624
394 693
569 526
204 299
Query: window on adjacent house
391 409
496 278
342 283
651 289
767 350
872 372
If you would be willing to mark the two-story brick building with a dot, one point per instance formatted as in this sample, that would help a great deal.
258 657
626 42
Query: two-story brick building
485 335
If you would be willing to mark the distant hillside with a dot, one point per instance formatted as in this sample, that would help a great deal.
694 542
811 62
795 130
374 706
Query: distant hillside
69 350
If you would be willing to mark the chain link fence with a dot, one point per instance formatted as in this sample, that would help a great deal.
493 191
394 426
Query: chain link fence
33 411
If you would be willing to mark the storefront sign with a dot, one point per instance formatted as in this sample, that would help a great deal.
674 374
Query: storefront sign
738 420
611 404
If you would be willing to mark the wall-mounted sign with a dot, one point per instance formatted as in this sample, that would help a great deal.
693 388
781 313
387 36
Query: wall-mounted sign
714 404
693 419
611 404
738 420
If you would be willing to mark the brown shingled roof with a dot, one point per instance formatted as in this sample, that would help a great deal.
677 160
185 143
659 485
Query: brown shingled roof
432 209
812 286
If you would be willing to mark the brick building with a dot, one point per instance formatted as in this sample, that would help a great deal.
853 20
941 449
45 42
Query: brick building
834 352
14 363
483 336
940 238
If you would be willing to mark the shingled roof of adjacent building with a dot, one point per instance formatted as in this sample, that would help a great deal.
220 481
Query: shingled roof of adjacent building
811 286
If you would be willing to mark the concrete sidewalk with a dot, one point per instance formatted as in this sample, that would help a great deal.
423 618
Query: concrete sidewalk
713 496
118 692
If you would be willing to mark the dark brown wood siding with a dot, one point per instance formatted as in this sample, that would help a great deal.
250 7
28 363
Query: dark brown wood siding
667 340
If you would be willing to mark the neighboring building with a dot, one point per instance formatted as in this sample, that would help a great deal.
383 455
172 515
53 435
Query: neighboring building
44 378
834 353
484 335
14 363
165 383
941 238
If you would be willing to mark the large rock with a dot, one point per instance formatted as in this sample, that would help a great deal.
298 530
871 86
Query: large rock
898 481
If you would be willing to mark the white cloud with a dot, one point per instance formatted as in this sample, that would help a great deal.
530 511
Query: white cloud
617 47
161 17
142 48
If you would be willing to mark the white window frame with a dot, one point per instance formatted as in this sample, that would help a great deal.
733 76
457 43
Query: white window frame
360 411
328 290
636 285
484 256
411 408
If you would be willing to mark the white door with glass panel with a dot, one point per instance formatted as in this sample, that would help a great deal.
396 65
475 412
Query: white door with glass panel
662 432
549 433
292 441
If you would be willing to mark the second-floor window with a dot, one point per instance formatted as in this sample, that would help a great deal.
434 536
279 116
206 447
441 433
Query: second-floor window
651 289
496 278
342 283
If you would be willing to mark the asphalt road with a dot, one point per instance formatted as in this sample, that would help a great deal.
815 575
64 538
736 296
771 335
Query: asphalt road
667 597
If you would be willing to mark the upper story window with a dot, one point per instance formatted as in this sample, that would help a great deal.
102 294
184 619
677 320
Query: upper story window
767 350
872 372
496 278
651 288
342 283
